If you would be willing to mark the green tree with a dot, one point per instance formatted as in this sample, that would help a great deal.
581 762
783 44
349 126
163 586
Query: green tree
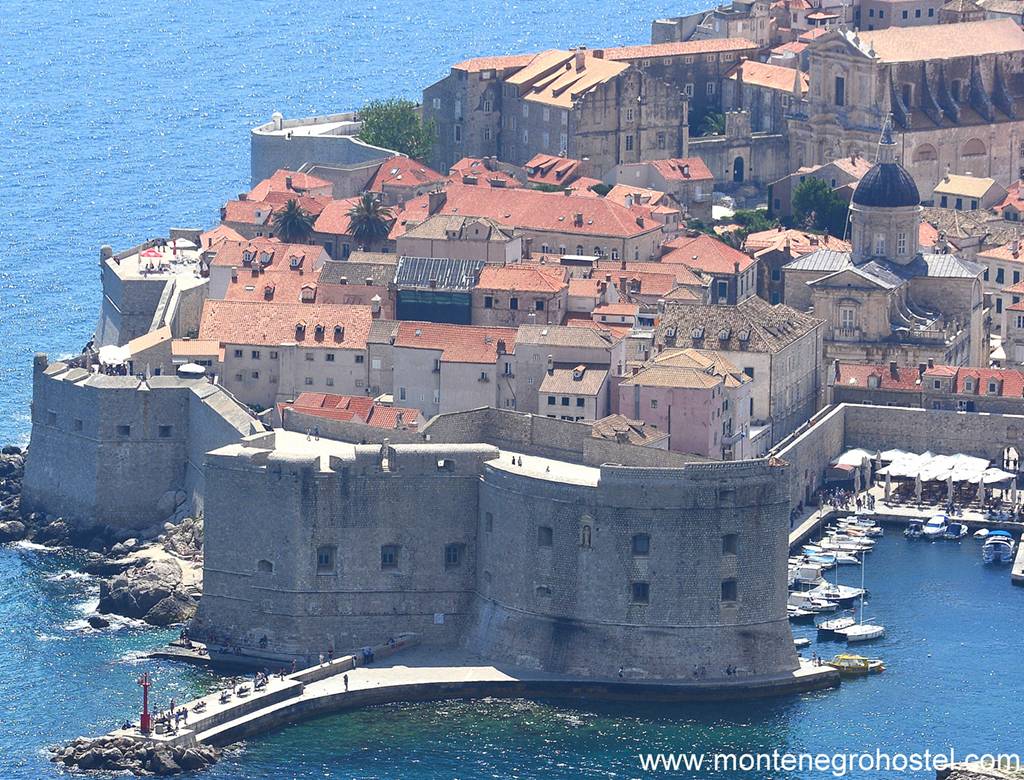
817 207
713 123
369 220
293 223
396 124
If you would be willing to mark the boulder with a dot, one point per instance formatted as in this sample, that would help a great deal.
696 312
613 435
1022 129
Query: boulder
90 759
191 760
12 531
135 592
163 763
54 532
101 566
10 449
98 621
176 608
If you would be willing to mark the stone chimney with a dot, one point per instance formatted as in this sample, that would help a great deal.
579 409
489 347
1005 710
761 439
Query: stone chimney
920 369
288 183
435 201
894 370
551 364
581 59
931 362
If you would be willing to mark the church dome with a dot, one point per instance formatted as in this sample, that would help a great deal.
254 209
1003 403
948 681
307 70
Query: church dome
888 185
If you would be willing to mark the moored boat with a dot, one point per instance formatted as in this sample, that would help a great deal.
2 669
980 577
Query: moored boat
834 592
862 632
850 665
981 533
799 615
811 603
913 529
934 528
832 625
998 548
955 532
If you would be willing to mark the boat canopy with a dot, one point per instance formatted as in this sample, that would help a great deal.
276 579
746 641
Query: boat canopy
1000 534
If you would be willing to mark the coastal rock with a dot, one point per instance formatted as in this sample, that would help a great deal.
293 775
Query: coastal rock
163 763
98 621
119 754
56 532
12 531
102 566
176 608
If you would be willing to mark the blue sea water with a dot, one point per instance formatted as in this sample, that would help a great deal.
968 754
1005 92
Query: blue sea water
122 119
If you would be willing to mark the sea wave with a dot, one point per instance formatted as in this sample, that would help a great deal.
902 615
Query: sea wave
25 544
69 574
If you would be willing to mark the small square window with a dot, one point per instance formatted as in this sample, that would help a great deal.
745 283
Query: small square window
565 401
329 357
273 355
238 353
729 590
51 418
309 356
730 544
309 380
551 400
641 545
124 430
389 556
165 431
255 354
360 358
579 402
452 555
545 536
640 592
325 559
513 303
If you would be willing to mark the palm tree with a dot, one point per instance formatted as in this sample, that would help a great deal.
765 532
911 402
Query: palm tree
369 220
713 123
293 224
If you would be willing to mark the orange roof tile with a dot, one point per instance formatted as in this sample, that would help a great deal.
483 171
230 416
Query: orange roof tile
301 183
481 176
762 74
245 322
706 254
683 48
499 62
354 407
857 375
403 172
617 310
333 220
525 278
683 169
799 242
1010 252
551 169
457 343
266 253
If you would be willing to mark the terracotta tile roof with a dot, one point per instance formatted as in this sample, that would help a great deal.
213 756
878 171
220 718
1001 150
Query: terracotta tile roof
403 172
927 235
481 175
581 187
1010 252
532 210
762 74
245 322
810 35
354 407
1013 197
457 343
683 169
944 41
555 77
267 253
577 380
278 182
655 375
277 286
545 279
565 336
677 49
613 330
617 310
188 348
584 288
247 212
797 47
638 195
499 62
799 242
616 427
333 220
220 233
314 206
971 186
905 379
706 254
440 226
707 360
551 169
617 268
1009 382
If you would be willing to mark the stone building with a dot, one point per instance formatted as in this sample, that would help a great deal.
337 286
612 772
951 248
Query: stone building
767 92
578 393
460 237
883 14
731 274
520 295
613 105
886 300
967 193
575 569
778 347
739 19
1003 272
687 180
841 176
953 89
774 249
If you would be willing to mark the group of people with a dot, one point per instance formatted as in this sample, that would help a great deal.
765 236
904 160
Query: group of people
847 499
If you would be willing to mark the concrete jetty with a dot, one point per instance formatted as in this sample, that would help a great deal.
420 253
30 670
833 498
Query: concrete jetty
429 675
1017 572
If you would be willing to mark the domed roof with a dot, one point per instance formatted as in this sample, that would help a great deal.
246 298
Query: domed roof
887 184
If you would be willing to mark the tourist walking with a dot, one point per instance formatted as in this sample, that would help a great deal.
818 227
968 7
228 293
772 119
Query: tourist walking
345 678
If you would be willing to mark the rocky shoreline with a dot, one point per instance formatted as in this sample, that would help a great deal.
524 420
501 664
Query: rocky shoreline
154 575
120 754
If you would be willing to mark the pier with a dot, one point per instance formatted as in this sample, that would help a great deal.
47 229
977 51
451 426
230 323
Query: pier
402 671
1017 573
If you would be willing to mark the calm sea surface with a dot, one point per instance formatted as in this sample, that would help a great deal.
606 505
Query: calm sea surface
120 120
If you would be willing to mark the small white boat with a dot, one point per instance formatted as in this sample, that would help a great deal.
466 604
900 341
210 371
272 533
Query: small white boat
801 642
832 625
981 533
998 548
913 530
805 601
799 615
955 532
847 559
835 544
805 574
862 632
934 528
833 592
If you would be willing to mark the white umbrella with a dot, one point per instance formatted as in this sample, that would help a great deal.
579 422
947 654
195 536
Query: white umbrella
981 493
949 487
182 243
856 479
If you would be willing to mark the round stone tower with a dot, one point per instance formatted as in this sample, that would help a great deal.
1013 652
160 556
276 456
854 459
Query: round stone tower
885 211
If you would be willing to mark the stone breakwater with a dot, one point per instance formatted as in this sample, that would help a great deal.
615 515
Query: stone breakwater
125 754
155 576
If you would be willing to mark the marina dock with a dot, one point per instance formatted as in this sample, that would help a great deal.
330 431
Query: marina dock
1017 573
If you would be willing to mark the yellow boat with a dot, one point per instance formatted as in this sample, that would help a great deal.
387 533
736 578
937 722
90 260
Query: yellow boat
850 665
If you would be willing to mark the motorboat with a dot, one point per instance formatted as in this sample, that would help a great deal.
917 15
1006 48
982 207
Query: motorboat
914 529
833 544
998 548
850 665
981 533
832 625
799 615
833 592
801 642
934 528
804 600
860 520
847 559
806 574
955 531
823 560
860 541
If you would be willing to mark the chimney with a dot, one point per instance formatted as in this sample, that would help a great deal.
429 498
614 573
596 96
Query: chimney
551 364
288 183
243 196
567 193
435 201
234 273
931 362
736 268
501 347
686 170
581 59
894 371
489 164
835 369
1015 246
640 221
608 278
343 280
920 370
598 54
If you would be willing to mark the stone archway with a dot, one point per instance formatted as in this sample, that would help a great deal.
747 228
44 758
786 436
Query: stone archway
737 170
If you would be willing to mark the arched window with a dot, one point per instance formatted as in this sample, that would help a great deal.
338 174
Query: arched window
973 148
265 567
924 153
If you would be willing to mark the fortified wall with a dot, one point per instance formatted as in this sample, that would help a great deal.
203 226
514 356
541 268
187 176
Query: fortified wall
568 568
120 450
